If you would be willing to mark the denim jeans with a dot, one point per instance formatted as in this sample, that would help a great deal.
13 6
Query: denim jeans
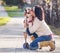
34 44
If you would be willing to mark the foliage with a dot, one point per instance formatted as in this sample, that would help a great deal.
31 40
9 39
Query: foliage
13 11
3 21
15 14
11 8
55 30
13 2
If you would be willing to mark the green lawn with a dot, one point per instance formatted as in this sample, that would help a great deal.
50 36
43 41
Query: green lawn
3 21
55 30
13 11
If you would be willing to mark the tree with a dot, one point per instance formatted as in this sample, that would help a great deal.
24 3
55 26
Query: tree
13 2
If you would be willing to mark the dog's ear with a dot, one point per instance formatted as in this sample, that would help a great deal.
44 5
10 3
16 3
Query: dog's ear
25 12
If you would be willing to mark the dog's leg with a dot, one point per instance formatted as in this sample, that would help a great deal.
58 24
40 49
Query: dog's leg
52 45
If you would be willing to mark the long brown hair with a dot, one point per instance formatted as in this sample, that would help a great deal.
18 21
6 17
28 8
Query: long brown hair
39 12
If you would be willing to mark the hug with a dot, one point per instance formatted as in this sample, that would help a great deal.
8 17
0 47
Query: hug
38 29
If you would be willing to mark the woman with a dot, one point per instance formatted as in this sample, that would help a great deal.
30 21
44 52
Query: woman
39 29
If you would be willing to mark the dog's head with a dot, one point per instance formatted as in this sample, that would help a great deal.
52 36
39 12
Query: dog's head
28 12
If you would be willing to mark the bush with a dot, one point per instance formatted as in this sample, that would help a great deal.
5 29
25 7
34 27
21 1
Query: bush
3 21
55 30
14 11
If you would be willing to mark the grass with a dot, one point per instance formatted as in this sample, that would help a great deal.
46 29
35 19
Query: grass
11 8
13 11
4 21
55 30
15 14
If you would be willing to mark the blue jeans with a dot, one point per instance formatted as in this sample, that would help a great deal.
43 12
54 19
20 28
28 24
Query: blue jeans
34 44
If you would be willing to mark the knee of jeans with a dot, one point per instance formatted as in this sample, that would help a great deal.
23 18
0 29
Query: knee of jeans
33 44
33 47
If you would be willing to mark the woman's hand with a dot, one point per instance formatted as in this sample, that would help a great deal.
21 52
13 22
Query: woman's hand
25 25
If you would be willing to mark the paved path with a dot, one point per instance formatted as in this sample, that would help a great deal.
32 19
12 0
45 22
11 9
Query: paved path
12 35
11 38
14 45
3 13
14 27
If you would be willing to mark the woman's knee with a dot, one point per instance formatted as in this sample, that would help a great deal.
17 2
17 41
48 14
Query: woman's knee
34 43
33 46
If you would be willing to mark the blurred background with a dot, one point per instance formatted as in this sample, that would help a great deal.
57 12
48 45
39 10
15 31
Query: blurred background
15 8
